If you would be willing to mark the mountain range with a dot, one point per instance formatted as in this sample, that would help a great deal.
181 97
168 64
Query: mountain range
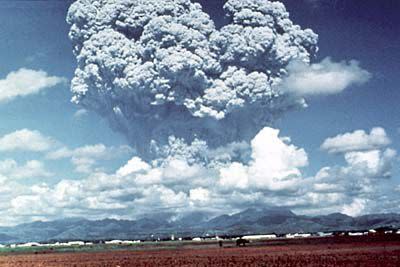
250 221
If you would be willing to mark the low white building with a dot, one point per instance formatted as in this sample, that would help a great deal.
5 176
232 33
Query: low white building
197 239
114 242
297 235
356 234
29 244
259 237
2 246
323 234
76 243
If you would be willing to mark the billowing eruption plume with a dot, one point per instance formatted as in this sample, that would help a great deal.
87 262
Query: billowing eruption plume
157 69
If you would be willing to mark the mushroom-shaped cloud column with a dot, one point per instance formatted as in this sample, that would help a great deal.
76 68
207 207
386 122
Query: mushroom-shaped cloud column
157 69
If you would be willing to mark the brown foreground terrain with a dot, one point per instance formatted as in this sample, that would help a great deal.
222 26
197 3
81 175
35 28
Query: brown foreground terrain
338 251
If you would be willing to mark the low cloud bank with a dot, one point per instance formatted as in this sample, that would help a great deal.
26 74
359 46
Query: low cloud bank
272 174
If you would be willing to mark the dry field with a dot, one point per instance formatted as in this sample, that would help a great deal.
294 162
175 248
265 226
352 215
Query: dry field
311 252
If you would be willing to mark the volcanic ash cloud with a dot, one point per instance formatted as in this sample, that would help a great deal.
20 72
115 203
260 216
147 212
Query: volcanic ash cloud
157 69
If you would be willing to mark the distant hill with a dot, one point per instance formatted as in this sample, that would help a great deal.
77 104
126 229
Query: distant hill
6 238
250 221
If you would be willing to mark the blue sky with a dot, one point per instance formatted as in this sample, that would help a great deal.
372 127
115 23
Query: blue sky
37 38
369 33
34 36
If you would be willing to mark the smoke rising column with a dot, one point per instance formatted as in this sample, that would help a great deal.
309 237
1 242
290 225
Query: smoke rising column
157 69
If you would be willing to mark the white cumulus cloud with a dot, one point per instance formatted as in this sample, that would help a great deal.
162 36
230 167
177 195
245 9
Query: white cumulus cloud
134 165
357 141
86 157
272 175
355 208
25 82
199 195
26 140
373 163
326 77
275 164
31 169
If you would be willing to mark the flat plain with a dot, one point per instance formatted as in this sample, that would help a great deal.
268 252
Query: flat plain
333 251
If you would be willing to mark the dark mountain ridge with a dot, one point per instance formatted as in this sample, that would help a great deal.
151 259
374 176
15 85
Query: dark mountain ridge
249 221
